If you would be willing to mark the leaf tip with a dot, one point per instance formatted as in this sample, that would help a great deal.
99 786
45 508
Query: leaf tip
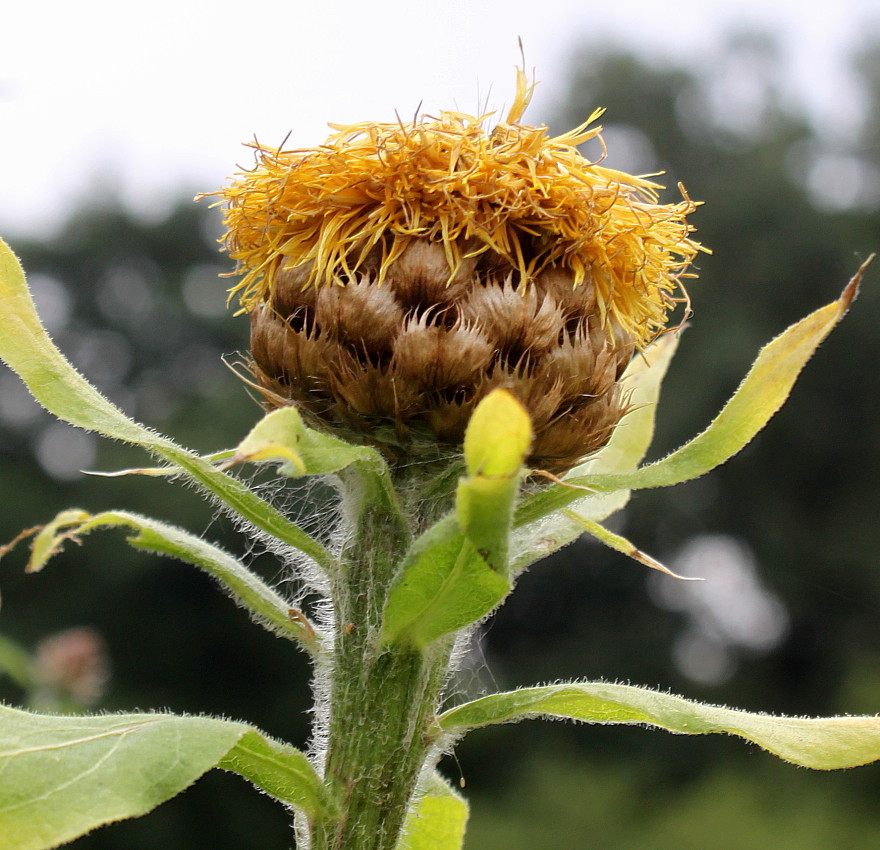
851 291
646 560
498 436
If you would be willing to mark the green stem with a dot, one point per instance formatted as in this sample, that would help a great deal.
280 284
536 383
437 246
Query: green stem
378 747
381 698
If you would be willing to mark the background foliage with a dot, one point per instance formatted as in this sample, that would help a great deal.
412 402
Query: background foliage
790 212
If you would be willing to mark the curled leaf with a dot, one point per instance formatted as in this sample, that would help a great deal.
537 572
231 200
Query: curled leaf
498 436
495 445
54 383
761 393
825 743
264 604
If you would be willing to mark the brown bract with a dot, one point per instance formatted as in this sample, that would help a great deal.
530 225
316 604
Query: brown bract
398 273
405 373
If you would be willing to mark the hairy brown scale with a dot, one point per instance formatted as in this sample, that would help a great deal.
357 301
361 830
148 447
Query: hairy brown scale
403 365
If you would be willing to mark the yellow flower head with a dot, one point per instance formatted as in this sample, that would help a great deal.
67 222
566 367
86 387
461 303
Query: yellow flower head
535 201
399 273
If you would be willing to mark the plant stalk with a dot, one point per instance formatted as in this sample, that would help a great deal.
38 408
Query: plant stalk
381 697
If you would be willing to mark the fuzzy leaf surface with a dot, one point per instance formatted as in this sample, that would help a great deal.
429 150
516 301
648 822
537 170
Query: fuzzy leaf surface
622 545
56 385
61 777
624 452
444 586
762 392
281 435
826 743
438 821
265 605
280 770
495 445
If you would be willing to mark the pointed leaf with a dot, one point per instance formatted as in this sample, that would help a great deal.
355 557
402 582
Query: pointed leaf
438 820
159 471
49 537
759 396
495 445
61 777
622 545
444 586
264 604
625 451
821 743
26 348
276 436
538 539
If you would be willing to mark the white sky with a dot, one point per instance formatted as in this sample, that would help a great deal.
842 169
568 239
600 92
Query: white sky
152 99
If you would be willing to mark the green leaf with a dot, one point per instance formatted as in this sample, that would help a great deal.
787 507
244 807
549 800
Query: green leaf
438 820
49 537
495 445
820 743
26 348
444 586
61 777
498 436
275 437
159 471
622 545
267 607
641 384
455 573
625 451
282 436
759 396
280 770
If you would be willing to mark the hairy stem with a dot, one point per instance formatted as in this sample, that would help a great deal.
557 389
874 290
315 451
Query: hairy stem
382 697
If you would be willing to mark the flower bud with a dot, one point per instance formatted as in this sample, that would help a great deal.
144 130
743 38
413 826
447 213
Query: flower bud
400 272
